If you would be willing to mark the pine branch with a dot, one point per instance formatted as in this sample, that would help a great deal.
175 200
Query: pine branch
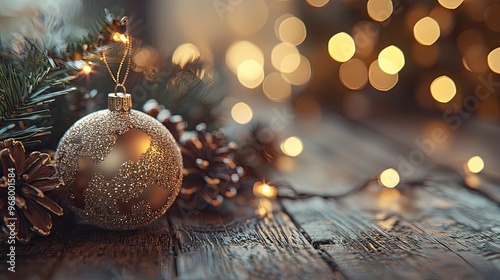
27 84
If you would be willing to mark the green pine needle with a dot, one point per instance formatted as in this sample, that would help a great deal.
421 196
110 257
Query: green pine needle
27 85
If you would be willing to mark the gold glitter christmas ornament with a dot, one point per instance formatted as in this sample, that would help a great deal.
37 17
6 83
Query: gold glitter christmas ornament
122 169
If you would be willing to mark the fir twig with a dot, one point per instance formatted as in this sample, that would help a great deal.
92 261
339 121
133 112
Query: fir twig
27 85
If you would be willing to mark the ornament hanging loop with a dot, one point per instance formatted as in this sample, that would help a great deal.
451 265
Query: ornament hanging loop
120 101
118 86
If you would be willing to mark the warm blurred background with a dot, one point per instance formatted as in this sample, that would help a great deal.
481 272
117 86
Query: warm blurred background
431 63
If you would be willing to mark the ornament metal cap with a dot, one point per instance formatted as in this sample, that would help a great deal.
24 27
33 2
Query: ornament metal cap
119 101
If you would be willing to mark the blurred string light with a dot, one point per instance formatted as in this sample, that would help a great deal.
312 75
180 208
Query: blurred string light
379 10
242 113
263 189
317 3
444 18
379 79
301 75
292 30
242 51
246 17
185 53
475 164
443 89
285 57
276 88
119 37
145 57
426 31
450 4
87 69
391 60
341 47
292 146
494 60
389 178
250 73
354 74
475 58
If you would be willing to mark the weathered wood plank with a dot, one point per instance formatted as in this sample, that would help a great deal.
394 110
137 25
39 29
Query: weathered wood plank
37 259
433 232
259 243
93 253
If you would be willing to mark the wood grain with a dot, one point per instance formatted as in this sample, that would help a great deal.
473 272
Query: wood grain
433 232
261 243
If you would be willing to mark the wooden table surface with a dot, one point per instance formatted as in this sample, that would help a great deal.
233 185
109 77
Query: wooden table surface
431 229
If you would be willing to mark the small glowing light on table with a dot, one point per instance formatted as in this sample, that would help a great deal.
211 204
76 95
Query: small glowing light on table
292 146
262 189
87 69
475 164
389 178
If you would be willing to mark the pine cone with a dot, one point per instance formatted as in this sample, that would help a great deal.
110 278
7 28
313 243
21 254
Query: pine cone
175 124
210 172
260 146
32 178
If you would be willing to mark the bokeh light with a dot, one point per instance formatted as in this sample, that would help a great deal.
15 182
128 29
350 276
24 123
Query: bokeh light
426 31
250 73
247 17
242 113
242 51
145 57
391 60
415 13
341 47
492 18
450 4
276 88
185 54
292 146
444 18
379 79
379 10
354 74
292 30
301 75
469 38
285 57
317 3
494 60
475 58
475 164
443 89
389 178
